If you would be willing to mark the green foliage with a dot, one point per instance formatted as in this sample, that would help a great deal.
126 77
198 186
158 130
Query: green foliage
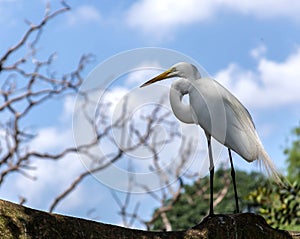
293 156
280 206
193 204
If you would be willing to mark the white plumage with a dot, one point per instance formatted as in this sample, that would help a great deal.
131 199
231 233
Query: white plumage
217 111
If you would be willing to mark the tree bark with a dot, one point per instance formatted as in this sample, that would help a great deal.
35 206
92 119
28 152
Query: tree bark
17 221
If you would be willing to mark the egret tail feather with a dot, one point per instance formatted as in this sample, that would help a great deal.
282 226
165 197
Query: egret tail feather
267 165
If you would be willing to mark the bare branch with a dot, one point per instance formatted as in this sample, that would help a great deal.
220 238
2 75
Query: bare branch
23 90
33 28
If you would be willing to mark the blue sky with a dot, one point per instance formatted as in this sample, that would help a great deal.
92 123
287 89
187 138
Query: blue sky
251 47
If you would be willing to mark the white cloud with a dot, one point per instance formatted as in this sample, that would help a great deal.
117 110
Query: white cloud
83 14
161 18
271 84
114 97
52 178
258 52
51 138
265 9
69 102
145 71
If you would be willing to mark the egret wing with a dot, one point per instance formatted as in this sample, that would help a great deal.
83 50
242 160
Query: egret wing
241 135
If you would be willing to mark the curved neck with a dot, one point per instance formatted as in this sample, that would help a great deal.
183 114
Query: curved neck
181 110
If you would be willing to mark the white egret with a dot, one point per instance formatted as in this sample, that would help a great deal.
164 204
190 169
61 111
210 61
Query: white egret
220 114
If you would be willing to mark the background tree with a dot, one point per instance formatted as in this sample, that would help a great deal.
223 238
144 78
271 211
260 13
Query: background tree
280 205
292 153
192 204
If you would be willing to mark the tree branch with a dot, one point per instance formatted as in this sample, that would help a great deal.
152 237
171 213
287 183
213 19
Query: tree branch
20 222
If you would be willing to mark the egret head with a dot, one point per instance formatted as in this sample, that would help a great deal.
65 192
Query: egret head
181 69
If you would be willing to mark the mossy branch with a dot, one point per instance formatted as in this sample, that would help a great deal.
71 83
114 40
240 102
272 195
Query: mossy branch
17 221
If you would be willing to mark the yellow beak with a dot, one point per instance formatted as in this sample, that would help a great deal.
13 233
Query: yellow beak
160 77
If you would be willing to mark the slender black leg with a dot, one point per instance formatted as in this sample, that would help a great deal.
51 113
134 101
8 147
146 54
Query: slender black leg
234 182
211 171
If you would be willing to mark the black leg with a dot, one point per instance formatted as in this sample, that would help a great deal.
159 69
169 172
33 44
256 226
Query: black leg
234 182
211 171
